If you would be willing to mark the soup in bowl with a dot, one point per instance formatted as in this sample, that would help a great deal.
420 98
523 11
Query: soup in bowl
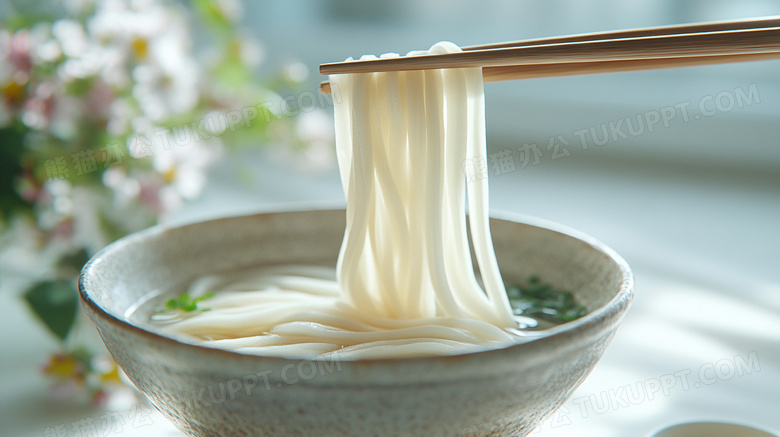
214 392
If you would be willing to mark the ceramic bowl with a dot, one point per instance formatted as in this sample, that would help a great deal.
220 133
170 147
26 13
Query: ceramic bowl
210 392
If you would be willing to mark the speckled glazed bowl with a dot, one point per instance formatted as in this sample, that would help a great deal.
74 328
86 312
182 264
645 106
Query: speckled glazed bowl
210 392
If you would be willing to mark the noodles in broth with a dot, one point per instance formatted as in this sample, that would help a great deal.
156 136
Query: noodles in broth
411 153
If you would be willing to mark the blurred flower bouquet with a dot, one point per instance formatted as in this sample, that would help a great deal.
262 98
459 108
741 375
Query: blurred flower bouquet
109 119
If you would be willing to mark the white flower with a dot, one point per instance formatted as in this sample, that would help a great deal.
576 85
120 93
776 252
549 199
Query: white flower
49 108
47 48
168 83
184 167
153 37
84 58
179 169
72 37
121 112
123 22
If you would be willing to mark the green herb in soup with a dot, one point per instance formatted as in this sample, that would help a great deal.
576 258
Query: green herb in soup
542 301
185 303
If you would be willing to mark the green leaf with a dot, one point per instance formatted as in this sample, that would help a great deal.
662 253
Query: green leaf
209 12
55 303
11 154
74 261
187 304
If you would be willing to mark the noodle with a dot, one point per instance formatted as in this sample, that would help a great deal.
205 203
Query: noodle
405 284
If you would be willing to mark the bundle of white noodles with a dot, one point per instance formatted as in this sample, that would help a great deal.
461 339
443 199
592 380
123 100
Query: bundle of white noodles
407 142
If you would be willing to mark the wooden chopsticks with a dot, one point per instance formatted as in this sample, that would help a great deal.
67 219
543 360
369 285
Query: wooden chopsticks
732 42
495 74
639 49
752 23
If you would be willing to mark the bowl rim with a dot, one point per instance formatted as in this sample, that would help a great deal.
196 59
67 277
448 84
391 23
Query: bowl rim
558 334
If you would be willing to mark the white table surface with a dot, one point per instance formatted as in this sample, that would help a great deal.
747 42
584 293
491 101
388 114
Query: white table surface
701 341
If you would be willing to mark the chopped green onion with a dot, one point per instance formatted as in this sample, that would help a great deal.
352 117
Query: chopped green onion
187 304
541 301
